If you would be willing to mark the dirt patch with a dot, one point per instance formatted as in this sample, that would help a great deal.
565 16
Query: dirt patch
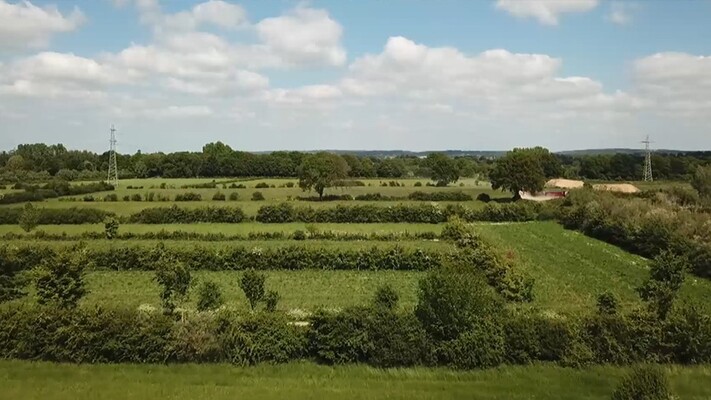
564 184
617 187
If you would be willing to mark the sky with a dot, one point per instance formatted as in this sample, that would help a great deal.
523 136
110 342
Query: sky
418 75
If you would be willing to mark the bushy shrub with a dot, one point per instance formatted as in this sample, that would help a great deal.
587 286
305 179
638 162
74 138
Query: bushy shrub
188 196
482 346
257 196
260 337
11 282
452 301
329 197
271 299
30 217
136 197
666 276
484 197
234 196
289 184
417 184
340 338
299 235
111 227
386 298
644 382
607 303
174 278
252 284
422 213
60 279
219 196
111 197
209 296
261 185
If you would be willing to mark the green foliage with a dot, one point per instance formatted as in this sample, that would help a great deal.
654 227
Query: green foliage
644 383
188 196
452 301
319 171
234 196
177 215
455 229
29 218
262 185
607 303
299 235
257 196
483 197
666 276
439 196
252 284
174 278
209 296
111 228
219 196
271 299
291 257
386 298
259 337
59 280
524 170
443 169
11 280
701 181
482 346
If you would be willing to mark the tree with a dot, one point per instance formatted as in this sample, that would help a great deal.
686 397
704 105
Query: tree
320 171
701 181
16 163
29 219
666 275
252 284
444 170
174 277
60 279
518 170
209 296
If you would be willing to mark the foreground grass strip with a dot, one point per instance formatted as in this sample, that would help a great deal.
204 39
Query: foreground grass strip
32 380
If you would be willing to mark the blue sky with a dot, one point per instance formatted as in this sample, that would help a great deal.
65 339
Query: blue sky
268 75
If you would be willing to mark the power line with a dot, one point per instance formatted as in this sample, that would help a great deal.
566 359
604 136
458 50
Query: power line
113 167
647 161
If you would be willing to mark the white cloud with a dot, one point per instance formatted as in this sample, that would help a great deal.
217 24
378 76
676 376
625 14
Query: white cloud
26 25
621 13
679 84
546 12
305 36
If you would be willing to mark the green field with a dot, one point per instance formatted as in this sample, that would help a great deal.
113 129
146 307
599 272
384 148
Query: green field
304 380
305 290
231 229
571 269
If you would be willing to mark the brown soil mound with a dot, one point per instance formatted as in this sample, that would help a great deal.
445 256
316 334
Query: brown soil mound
617 187
564 184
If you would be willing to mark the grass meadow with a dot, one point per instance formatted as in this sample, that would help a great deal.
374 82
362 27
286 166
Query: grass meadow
304 380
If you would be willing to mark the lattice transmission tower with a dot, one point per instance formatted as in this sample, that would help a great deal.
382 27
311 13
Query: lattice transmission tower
648 177
113 167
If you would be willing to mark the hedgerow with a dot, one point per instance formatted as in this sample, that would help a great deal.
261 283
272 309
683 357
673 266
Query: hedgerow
177 215
58 216
240 258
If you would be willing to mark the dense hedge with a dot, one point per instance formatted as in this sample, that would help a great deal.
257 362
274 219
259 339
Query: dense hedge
439 196
354 335
420 213
57 216
641 226
242 257
177 215
221 237
52 190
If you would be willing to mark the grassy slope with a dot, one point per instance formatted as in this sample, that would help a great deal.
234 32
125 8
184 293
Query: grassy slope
571 269
46 381
304 290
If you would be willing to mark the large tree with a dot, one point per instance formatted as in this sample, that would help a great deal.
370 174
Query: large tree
321 170
522 170
443 169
